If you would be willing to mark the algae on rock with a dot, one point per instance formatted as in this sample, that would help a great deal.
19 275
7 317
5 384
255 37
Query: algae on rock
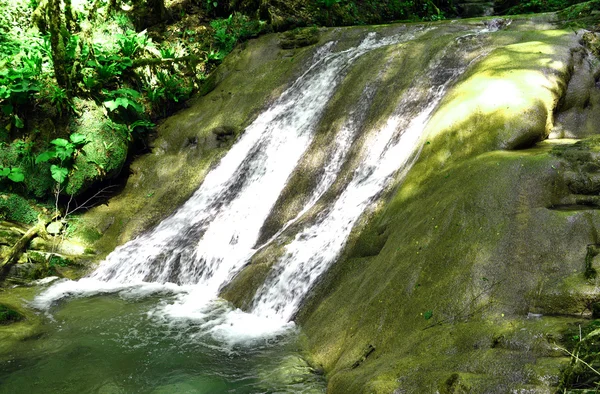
471 239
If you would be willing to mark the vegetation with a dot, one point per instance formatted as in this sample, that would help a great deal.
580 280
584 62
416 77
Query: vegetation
75 77
532 6
582 345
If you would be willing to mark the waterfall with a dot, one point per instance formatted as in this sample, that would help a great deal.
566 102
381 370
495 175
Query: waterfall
213 234
390 149
198 249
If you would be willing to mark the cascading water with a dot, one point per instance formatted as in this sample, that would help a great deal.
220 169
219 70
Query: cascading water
211 237
391 148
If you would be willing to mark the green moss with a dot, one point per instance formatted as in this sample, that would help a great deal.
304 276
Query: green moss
471 240
28 326
240 291
299 38
16 208
578 11
8 315
103 156
87 234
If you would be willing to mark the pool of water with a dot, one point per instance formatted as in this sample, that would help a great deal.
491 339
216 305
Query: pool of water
112 344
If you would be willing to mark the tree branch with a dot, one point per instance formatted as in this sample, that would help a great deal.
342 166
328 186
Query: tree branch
21 245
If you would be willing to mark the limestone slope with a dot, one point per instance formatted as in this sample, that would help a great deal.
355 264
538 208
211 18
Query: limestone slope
468 276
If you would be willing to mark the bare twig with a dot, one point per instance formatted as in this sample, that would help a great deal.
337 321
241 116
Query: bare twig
85 205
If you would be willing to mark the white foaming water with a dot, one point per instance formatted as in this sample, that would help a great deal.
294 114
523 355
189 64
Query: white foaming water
343 141
195 251
316 247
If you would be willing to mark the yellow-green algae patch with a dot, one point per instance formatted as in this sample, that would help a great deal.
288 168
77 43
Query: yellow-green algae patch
449 286
27 327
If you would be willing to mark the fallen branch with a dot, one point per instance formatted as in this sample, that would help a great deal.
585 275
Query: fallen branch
18 249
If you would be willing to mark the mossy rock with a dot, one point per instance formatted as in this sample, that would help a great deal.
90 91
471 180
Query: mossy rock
584 14
592 41
17 209
299 38
8 316
105 152
442 280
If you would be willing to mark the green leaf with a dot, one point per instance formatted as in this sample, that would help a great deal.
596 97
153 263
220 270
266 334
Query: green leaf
45 157
111 105
128 92
126 61
60 142
19 122
16 175
124 102
64 153
59 174
137 106
141 123
77 138
4 171
428 315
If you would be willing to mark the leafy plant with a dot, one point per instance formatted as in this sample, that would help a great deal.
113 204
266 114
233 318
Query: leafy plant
59 98
131 42
63 150
17 87
175 88
215 56
167 52
15 174
108 67
124 98
128 130
155 95
57 261
237 27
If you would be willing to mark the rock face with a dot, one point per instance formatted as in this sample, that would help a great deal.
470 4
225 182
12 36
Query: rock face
474 263
451 285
